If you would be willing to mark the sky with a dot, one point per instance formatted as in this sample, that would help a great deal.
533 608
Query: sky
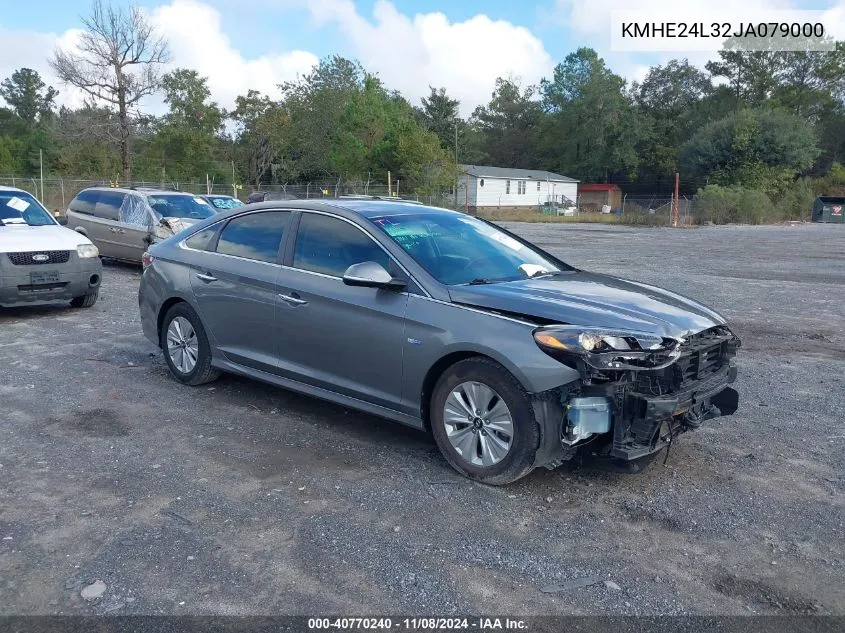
462 45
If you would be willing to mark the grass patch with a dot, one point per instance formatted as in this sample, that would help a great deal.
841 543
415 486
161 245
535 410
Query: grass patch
530 215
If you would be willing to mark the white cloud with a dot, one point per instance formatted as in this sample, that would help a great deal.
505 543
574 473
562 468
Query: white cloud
411 53
195 33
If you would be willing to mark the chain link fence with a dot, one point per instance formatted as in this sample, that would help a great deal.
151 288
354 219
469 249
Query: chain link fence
56 192
659 209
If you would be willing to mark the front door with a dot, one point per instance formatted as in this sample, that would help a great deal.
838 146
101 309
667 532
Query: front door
342 338
235 286
133 228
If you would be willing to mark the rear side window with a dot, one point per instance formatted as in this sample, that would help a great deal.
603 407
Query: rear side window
329 245
108 205
85 201
203 240
255 236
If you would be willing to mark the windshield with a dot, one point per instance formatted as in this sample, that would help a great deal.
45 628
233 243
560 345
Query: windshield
19 207
225 202
181 207
459 249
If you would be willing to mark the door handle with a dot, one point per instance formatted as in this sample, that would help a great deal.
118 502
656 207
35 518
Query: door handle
206 277
292 299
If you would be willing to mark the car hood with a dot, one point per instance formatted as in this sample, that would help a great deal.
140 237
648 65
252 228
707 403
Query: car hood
179 224
581 298
22 238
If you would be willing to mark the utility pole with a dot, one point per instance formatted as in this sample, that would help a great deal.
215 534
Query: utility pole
41 166
234 186
456 163
675 201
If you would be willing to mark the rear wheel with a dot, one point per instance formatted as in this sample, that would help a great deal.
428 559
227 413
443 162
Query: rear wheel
483 422
86 300
186 348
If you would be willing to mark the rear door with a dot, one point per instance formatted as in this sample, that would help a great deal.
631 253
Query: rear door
342 338
94 222
234 277
107 215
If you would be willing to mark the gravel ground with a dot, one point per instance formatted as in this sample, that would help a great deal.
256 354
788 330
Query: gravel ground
240 498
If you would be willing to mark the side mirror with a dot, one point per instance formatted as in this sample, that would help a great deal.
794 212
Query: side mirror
370 275
61 219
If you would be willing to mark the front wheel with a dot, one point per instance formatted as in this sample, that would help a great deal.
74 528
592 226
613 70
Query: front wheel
483 422
86 300
186 348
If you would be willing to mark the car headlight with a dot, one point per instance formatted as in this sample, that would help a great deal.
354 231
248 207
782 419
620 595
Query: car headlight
87 250
608 348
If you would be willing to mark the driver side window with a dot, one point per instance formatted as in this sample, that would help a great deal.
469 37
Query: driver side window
330 245
134 211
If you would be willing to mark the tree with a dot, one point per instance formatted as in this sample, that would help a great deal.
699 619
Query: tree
439 113
592 129
763 149
25 92
187 136
314 104
262 125
117 64
509 125
379 132
669 101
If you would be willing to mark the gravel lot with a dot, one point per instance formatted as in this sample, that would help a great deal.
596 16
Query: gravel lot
240 498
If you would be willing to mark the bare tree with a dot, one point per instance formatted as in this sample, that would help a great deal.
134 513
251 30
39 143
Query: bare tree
117 62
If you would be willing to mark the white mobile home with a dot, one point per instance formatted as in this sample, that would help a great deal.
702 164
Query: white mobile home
484 187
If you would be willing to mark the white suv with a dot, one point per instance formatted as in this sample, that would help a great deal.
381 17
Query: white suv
41 260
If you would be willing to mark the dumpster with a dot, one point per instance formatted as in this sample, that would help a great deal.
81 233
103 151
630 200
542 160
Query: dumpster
829 209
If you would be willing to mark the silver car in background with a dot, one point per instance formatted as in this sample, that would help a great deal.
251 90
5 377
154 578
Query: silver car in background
510 357
124 222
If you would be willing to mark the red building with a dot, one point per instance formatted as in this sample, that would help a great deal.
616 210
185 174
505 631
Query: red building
594 197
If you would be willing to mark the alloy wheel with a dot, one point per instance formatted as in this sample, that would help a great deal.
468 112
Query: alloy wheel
478 423
182 344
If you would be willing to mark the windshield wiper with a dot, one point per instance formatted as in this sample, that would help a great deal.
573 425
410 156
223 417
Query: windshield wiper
480 281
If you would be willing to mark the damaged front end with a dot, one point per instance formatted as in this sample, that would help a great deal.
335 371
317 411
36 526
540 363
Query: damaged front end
168 227
637 391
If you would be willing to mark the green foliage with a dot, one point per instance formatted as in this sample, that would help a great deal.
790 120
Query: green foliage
832 183
723 205
509 126
187 137
591 129
439 114
763 149
28 96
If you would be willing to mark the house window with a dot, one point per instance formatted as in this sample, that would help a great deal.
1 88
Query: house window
520 187
507 186
538 185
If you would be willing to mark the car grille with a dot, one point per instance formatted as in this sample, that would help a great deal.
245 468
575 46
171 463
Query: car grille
702 355
26 259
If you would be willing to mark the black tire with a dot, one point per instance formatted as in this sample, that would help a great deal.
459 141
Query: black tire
519 460
202 372
86 300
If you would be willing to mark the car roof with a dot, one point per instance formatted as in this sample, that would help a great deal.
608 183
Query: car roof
142 190
15 189
368 208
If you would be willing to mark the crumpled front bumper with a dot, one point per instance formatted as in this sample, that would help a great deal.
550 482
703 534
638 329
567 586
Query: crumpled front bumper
647 423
